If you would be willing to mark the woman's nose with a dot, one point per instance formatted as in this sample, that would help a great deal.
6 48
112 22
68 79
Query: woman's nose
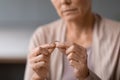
65 1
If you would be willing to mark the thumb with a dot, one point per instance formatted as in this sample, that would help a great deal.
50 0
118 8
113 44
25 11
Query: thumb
63 46
51 49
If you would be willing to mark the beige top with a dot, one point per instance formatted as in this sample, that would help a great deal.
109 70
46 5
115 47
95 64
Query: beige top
105 56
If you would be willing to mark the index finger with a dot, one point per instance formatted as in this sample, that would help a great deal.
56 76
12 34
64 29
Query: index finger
48 46
46 49
64 45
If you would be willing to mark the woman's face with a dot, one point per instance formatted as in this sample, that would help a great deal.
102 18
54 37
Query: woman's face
72 9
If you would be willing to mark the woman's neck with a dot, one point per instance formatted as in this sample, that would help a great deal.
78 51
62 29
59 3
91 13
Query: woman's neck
81 30
84 25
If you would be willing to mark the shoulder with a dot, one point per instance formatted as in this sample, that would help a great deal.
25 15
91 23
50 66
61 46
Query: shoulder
111 25
110 29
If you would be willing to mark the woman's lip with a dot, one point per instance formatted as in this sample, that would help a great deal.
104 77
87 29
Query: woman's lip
69 10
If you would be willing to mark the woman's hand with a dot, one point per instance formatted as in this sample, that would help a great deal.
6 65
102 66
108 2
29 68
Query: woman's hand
39 60
77 57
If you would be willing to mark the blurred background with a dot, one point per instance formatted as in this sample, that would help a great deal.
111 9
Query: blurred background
19 19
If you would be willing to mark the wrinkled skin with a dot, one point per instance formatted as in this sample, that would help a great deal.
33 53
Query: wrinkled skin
77 57
39 59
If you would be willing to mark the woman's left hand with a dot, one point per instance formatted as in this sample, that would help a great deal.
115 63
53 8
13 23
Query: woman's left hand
77 57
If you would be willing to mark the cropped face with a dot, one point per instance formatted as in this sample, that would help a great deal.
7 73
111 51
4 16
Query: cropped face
72 9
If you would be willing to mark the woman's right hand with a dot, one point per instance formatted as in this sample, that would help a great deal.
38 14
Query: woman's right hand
39 60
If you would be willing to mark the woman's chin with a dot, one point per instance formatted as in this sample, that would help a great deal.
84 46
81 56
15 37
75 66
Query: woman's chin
71 18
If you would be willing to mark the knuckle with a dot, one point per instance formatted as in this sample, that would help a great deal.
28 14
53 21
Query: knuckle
40 49
73 46
46 52
43 58
67 51
69 57
35 67
71 62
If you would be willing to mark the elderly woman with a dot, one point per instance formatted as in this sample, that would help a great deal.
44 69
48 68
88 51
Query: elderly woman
79 46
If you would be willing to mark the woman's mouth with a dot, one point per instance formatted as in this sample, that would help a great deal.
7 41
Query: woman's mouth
69 11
